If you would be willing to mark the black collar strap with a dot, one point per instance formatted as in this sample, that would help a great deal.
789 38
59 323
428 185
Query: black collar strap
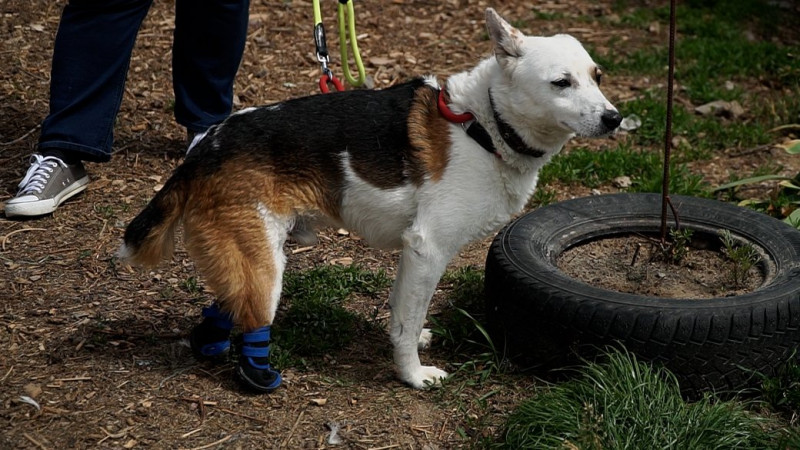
513 140
481 136
477 132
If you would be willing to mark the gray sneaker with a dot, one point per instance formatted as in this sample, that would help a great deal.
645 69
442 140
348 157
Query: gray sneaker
48 183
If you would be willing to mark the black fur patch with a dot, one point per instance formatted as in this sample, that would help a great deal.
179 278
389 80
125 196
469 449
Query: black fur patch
305 135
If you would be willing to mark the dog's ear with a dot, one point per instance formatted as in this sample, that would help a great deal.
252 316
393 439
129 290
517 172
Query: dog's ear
507 39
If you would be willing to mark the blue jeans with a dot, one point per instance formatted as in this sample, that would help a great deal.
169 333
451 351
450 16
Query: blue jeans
90 63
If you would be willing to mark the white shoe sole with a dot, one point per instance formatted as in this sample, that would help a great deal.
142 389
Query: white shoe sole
46 206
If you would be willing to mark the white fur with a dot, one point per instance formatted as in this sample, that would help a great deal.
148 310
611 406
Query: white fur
378 215
276 229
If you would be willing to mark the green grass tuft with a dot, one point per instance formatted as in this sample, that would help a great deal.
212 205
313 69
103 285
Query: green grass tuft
713 46
626 404
459 329
316 321
593 168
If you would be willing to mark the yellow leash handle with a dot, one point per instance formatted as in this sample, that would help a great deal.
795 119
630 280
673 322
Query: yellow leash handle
351 31
317 13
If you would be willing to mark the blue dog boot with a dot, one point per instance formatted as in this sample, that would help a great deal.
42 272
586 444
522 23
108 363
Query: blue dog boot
253 371
210 340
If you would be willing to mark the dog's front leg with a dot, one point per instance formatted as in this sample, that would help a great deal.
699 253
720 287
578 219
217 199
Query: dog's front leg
421 265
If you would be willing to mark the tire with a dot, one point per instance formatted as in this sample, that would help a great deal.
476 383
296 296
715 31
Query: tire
549 320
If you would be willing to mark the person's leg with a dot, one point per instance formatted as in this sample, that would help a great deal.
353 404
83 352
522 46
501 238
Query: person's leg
90 61
209 41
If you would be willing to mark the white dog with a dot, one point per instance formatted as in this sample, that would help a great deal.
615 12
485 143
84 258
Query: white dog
414 166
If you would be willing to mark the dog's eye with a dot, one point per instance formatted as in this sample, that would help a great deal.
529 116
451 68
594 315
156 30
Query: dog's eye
561 83
598 76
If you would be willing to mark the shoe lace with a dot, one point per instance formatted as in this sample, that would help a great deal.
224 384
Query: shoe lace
39 173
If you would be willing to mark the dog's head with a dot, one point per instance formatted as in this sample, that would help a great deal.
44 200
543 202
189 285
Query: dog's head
551 83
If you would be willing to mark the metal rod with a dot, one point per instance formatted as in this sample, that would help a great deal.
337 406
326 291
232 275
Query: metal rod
665 201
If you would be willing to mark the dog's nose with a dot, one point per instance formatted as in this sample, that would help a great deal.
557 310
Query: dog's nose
611 118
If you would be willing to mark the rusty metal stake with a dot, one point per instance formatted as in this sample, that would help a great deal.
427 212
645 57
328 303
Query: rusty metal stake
665 200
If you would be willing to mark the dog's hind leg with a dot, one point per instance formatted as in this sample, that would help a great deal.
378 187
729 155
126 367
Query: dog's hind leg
421 265
239 251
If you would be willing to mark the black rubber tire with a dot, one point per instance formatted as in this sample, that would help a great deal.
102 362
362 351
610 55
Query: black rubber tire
549 320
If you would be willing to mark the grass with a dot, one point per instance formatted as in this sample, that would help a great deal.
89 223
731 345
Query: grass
743 256
478 362
715 40
623 403
459 328
703 135
783 201
594 168
782 391
316 321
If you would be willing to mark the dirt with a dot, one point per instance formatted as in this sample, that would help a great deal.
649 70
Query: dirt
101 348
642 265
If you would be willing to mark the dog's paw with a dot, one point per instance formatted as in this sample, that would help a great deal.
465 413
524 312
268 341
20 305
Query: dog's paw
425 339
425 377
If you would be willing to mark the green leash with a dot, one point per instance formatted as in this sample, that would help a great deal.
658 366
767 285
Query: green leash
347 28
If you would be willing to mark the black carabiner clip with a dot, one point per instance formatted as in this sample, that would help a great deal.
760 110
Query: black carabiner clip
319 41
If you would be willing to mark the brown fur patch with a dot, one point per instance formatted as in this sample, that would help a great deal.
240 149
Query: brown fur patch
227 238
429 134
231 250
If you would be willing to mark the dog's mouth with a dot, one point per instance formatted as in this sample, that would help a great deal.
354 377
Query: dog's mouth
596 130
571 129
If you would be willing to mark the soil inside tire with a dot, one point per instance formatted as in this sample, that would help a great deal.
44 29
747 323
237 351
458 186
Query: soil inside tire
635 264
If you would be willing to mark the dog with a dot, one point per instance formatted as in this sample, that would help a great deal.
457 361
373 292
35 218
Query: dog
414 166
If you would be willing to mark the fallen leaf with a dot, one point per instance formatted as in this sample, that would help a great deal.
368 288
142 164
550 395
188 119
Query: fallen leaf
380 61
622 182
32 389
345 261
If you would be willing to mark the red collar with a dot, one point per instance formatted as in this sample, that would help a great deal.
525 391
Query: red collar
474 130
448 114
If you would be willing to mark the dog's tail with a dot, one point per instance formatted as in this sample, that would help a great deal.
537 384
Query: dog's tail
150 236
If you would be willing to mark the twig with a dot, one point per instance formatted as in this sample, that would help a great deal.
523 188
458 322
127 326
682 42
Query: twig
198 400
117 435
790 126
35 442
75 379
225 439
441 432
636 254
201 406
21 138
7 374
294 427
225 410
750 151
4 239
174 374
385 447
131 334
187 434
